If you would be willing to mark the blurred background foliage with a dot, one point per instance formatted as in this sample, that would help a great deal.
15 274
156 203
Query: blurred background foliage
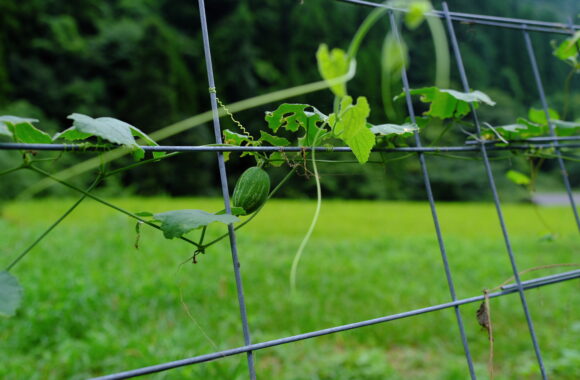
142 61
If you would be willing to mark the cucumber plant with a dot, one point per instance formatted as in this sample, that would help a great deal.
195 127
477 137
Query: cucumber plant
301 125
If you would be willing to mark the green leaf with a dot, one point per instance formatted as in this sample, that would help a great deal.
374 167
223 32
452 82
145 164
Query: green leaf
446 104
179 222
5 131
8 122
144 214
21 130
10 294
29 134
361 143
520 130
75 134
470 97
292 117
416 13
518 178
351 127
538 116
510 132
332 65
71 134
566 128
273 140
108 128
404 130
236 211
237 139
233 138
568 50
288 116
276 159
136 132
15 120
313 131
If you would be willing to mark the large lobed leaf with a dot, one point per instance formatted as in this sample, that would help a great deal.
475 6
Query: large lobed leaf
109 129
351 127
449 104
179 222
10 294
293 118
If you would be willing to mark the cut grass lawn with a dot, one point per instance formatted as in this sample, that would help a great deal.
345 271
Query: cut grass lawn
94 304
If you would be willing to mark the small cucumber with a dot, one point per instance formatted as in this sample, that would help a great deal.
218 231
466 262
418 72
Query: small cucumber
251 190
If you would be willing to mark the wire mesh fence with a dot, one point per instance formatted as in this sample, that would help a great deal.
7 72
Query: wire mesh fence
477 147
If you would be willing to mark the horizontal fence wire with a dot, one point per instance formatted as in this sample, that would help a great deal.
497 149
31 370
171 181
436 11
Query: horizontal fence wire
470 147
495 21
527 285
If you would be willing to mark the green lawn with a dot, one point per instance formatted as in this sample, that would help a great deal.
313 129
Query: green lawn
94 304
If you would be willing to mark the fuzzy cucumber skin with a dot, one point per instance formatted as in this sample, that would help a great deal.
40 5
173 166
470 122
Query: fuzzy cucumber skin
251 190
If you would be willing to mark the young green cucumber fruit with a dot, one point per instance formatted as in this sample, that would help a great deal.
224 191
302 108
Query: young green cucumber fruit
251 190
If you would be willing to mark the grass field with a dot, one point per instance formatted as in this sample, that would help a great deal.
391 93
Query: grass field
94 304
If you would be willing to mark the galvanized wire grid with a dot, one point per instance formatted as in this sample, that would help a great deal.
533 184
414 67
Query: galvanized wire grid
479 146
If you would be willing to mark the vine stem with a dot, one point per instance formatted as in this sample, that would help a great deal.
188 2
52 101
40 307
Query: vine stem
137 164
202 235
458 157
363 29
53 225
547 155
11 170
298 255
280 184
102 201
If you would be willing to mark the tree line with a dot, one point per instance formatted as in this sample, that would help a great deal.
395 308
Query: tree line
142 61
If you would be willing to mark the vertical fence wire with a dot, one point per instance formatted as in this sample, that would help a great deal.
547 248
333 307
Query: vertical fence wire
431 199
493 188
225 191
542 94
